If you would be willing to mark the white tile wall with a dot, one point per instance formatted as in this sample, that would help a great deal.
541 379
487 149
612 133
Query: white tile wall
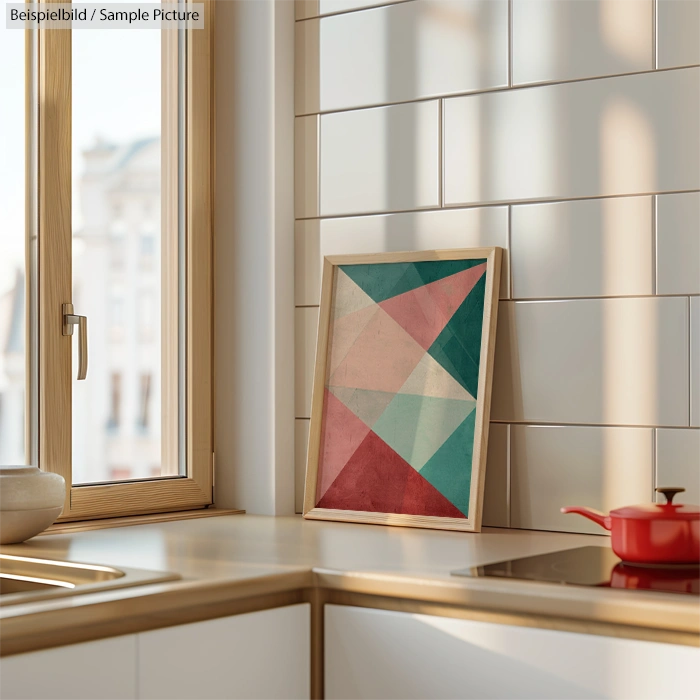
305 329
587 248
695 361
678 32
555 466
555 40
678 463
301 444
496 489
586 172
439 47
594 361
380 159
625 135
428 230
314 8
678 243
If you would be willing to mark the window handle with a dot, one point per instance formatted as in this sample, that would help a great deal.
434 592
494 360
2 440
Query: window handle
70 320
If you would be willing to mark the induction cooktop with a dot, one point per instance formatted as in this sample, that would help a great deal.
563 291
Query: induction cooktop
592 566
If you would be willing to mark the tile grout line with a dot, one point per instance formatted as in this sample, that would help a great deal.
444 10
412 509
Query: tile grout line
318 165
483 205
510 43
509 242
542 424
497 89
509 478
654 466
355 10
690 363
554 300
441 153
654 245
655 34
536 424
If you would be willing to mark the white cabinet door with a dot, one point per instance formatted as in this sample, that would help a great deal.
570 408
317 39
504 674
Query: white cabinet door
380 654
256 655
91 671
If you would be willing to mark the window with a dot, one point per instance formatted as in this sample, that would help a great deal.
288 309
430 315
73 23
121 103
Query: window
135 184
16 248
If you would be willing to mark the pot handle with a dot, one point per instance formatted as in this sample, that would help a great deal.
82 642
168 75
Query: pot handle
595 515
669 492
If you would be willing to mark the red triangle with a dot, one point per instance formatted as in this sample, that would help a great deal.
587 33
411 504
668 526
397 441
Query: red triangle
422 498
378 480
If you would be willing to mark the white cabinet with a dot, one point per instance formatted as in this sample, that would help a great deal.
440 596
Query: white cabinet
256 655
380 654
91 671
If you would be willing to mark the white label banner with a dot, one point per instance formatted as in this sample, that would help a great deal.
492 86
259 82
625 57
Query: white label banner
132 15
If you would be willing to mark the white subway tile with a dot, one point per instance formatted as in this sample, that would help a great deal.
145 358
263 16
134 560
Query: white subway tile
401 52
301 443
678 33
587 248
306 167
634 134
678 463
695 361
496 497
305 327
427 230
555 466
383 159
555 40
329 6
678 243
593 361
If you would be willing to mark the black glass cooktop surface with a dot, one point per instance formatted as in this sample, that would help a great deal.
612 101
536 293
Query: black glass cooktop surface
592 566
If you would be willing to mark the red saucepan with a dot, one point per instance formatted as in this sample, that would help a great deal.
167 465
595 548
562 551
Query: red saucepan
654 533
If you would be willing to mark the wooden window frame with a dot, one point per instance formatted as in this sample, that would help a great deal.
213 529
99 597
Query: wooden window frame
195 489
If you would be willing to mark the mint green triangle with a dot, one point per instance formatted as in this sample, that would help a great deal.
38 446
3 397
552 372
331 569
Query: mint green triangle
458 347
382 281
416 426
449 470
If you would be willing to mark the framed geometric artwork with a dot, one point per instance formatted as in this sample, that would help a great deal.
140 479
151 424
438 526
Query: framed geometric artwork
402 388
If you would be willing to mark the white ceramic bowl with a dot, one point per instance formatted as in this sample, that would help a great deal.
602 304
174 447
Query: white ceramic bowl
30 500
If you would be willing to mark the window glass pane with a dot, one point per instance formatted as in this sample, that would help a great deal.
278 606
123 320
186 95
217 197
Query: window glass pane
13 267
125 254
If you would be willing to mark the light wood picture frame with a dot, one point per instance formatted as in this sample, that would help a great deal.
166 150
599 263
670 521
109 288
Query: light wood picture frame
402 388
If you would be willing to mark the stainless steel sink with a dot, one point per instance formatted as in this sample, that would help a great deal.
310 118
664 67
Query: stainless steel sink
24 579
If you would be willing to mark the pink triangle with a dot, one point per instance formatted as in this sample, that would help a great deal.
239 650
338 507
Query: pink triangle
425 311
381 359
341 434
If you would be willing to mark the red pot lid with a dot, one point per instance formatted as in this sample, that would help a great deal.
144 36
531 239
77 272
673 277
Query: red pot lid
660 511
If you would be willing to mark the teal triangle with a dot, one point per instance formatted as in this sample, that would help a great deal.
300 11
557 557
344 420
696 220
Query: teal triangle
436 270
416 426
449 470
382 281
458 347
